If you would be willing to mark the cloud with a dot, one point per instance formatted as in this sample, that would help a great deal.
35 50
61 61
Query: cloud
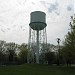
43 2
8 28
53 7
58 13
2 30
69 8
15 18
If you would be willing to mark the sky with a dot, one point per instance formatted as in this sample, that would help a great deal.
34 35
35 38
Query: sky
15 18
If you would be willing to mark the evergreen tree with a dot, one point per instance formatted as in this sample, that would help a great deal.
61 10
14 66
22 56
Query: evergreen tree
69 44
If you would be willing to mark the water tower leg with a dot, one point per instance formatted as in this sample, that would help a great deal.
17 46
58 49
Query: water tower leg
37 52
29 41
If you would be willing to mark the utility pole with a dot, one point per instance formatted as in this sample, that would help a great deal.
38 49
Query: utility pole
58 59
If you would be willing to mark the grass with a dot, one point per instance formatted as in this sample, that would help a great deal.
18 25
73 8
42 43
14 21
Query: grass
30 69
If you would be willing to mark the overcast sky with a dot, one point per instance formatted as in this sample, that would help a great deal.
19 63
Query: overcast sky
15 18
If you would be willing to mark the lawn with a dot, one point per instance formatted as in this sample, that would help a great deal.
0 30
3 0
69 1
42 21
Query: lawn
30 69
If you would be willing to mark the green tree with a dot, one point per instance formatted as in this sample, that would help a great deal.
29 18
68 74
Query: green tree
23 53
3 58
68 50
50 57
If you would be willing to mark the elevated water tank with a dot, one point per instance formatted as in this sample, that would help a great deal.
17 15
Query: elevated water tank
37 20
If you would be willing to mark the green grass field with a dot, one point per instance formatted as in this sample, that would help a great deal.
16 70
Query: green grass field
30 69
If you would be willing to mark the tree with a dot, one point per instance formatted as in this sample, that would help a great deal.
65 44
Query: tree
50 57
11 52
69 45
11 55
23 53
3 58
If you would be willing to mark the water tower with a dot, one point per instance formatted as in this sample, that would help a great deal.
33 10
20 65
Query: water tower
37 35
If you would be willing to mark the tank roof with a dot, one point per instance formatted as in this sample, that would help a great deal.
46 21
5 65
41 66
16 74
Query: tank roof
37 20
